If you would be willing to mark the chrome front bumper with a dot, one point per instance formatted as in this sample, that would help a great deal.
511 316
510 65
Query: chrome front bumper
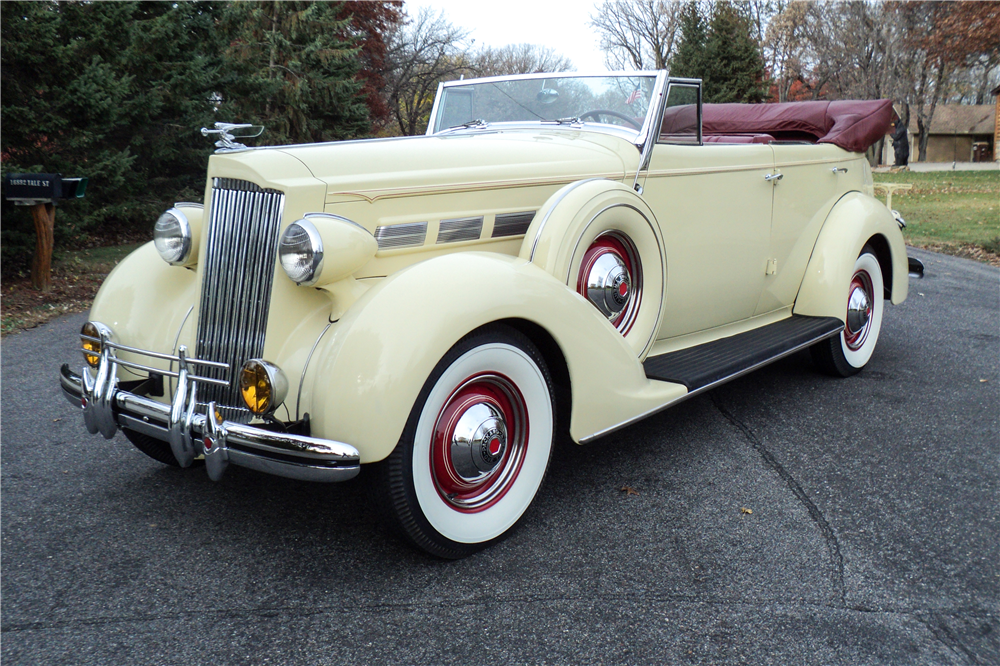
107 408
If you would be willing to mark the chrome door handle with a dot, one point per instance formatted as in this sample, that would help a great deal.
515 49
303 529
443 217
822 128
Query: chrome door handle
772 177
839 169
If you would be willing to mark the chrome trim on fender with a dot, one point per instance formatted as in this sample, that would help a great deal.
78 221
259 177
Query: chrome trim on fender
460 229
541 225
302 378
512 224
407 234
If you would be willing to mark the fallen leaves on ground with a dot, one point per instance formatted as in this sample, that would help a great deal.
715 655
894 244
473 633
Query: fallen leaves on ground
628 490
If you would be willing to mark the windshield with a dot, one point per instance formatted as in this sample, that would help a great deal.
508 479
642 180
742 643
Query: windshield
613 100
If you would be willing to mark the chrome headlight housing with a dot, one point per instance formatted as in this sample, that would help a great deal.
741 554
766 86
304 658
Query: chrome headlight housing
263 386
90 340
172 237
301 253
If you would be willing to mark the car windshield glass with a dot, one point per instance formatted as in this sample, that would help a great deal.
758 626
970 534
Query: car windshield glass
613 100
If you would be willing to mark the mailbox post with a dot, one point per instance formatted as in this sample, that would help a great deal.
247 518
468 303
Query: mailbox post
40 191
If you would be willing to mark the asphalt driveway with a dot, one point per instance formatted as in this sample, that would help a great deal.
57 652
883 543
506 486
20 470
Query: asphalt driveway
784 518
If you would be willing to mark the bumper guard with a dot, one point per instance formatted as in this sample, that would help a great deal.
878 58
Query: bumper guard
189 433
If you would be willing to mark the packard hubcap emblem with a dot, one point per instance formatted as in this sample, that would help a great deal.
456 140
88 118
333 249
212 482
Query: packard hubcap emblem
479 441
620 288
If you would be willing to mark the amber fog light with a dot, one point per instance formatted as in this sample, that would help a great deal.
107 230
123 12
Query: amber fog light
263 386
90 340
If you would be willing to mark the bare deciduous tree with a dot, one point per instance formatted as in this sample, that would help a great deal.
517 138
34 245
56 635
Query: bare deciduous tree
421 52
637 34
519 59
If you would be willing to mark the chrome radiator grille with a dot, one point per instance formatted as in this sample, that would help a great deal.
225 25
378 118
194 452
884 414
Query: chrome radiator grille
236 284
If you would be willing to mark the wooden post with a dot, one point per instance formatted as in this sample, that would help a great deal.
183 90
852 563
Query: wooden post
44 216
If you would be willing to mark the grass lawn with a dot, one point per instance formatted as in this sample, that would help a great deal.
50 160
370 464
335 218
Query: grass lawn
951 211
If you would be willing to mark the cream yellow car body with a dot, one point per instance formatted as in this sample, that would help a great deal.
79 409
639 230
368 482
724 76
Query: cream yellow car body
731 238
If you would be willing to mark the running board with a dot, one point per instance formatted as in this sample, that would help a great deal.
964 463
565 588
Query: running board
704 366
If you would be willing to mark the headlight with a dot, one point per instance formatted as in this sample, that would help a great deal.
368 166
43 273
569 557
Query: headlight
263 386
90 341
301 252
172 237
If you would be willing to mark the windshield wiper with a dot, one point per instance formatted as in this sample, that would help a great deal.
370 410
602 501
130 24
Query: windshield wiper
564 121
478 123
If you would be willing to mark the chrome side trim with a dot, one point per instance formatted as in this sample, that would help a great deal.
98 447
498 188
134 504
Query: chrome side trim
401 235
460 229
302 379
707 387
555 204
512 224
177 340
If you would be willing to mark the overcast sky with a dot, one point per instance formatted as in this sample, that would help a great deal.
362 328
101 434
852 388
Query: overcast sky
561 25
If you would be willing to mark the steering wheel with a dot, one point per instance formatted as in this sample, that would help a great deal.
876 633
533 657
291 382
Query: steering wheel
597 113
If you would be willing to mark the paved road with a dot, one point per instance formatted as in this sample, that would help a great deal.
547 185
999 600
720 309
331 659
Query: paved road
873 538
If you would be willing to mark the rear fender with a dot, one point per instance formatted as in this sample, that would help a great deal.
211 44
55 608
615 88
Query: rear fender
855 220
367 376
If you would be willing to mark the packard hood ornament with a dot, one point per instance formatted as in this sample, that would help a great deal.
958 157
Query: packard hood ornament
227 132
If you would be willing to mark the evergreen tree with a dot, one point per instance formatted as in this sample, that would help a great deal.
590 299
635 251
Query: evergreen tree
112 91
735 66
720 51
689 60
296 71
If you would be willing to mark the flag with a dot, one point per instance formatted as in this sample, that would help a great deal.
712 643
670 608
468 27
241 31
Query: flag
636 94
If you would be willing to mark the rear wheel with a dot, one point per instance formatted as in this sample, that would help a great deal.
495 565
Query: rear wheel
475 448
846 354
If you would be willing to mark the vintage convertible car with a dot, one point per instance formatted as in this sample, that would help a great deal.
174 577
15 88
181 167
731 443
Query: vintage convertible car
560 255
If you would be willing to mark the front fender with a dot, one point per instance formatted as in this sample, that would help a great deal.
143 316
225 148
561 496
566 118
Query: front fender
856 220
144 301
370 371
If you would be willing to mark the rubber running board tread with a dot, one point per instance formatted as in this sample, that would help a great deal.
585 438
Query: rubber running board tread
713 362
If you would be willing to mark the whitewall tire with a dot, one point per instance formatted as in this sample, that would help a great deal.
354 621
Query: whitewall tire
847 353
475 449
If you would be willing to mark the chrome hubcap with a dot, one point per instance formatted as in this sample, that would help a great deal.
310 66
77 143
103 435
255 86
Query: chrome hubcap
859 311
611 279
609 285
478 442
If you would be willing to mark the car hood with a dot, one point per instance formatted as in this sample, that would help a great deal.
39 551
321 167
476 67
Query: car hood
372 168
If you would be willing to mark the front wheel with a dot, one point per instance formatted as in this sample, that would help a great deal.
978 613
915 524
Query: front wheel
475 448
846 354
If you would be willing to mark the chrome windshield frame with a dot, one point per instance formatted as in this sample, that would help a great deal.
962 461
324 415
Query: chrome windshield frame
640 139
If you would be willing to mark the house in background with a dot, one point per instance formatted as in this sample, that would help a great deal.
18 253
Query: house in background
958 133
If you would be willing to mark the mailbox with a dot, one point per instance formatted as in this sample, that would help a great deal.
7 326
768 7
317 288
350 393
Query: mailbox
29 189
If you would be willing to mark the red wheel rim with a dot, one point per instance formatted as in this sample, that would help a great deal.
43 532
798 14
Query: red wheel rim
860 298
478 492
622 248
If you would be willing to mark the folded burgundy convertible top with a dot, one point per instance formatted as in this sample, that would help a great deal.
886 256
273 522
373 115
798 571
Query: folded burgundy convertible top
853 125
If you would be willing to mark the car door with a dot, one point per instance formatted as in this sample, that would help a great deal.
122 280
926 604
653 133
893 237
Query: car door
813 177
714 208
